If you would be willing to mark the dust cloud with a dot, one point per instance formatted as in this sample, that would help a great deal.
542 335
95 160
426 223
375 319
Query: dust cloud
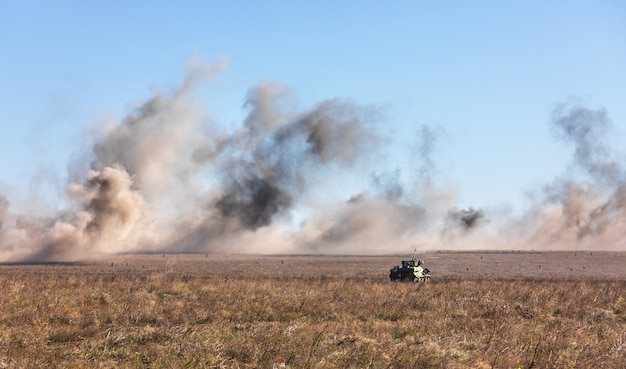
590 213
167 178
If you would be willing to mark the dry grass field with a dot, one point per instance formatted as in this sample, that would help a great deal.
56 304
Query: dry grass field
481 310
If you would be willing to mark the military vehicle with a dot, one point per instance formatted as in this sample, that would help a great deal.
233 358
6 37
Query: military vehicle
411 271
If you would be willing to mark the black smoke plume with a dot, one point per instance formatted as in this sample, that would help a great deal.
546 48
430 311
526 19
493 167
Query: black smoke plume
587 130
465 219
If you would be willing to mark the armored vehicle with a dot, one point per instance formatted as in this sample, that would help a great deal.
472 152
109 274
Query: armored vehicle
411 271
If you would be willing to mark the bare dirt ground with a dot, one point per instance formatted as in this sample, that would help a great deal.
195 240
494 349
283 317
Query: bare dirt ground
571 265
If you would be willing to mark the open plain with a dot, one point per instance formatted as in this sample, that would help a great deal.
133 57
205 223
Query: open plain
482 309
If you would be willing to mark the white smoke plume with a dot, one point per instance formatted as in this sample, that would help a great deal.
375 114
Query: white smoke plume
166 178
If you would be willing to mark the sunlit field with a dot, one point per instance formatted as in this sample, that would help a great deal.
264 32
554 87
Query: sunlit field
480 310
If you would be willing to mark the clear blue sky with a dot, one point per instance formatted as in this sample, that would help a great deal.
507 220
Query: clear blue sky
483 75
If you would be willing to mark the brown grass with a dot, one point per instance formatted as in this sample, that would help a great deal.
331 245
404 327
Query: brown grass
216 311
